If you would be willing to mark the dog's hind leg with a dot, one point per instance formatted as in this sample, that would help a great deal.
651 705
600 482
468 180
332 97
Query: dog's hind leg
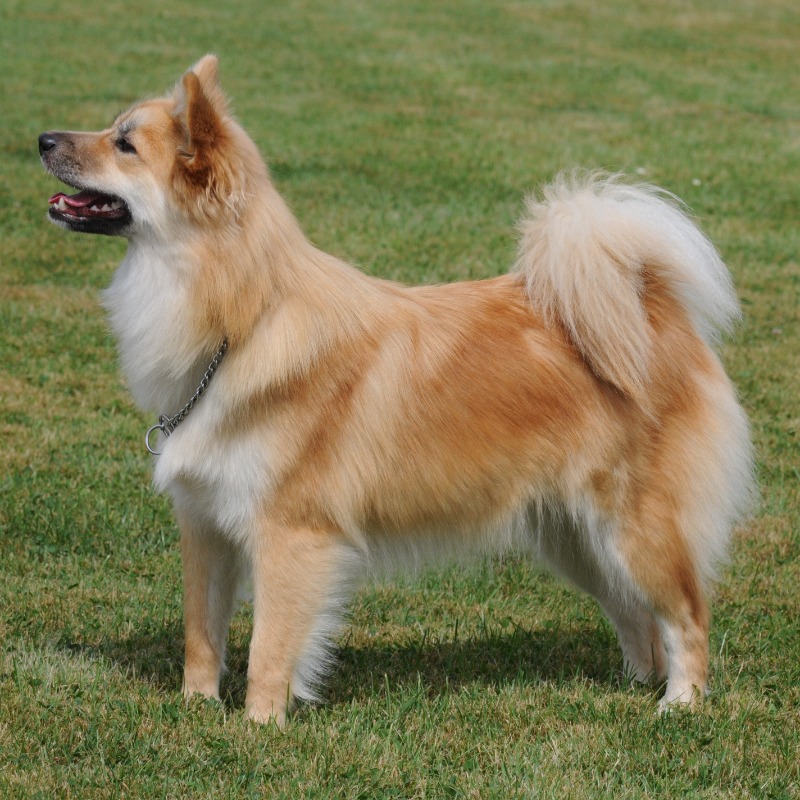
664 573
301 581
211 573
637 560
585 558
643 651
668 580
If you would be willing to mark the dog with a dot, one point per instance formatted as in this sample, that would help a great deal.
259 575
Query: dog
326 424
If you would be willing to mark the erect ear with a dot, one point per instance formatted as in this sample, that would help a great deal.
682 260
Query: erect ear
201 109
206 70
207 167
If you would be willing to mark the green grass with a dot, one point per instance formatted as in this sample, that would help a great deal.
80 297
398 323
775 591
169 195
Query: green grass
404 135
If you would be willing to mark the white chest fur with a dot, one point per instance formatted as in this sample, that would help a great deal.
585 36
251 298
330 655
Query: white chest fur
145 304
221 480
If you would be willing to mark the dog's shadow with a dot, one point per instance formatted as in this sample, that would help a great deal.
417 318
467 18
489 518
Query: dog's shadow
551 653
496 659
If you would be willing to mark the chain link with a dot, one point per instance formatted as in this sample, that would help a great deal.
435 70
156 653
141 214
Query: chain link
167 424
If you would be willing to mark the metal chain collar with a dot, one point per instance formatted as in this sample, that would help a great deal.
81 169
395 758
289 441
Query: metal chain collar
167 424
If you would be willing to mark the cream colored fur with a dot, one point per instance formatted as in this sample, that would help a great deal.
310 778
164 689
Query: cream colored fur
573 409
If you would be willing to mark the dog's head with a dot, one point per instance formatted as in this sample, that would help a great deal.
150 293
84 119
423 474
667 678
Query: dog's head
163 161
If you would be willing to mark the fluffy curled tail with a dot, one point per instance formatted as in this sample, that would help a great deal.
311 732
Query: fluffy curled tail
588 247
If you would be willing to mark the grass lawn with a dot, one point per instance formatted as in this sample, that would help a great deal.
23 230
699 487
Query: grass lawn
405 136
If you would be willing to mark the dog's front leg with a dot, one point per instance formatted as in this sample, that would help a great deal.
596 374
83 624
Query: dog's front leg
300 578
211 569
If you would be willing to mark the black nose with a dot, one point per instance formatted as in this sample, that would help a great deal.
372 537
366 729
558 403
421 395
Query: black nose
47 141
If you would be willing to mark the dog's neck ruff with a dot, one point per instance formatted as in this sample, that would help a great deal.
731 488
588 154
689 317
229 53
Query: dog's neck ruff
167 424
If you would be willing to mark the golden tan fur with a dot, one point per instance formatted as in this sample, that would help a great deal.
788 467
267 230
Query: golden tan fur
573 408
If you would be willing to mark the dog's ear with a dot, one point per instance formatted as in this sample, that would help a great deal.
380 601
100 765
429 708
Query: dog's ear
200 110
207 72
205 164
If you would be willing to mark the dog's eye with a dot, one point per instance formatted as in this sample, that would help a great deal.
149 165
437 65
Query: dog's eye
124 145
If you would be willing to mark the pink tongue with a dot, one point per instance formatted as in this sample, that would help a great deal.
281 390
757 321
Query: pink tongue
79 200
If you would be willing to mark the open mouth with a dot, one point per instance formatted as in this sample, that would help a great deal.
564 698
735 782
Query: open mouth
87 203
90 211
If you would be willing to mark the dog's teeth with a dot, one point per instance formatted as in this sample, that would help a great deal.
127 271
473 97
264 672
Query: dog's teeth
93 208
61 205
106 207
116 204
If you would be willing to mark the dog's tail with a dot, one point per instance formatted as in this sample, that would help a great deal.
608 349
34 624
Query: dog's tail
591 248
